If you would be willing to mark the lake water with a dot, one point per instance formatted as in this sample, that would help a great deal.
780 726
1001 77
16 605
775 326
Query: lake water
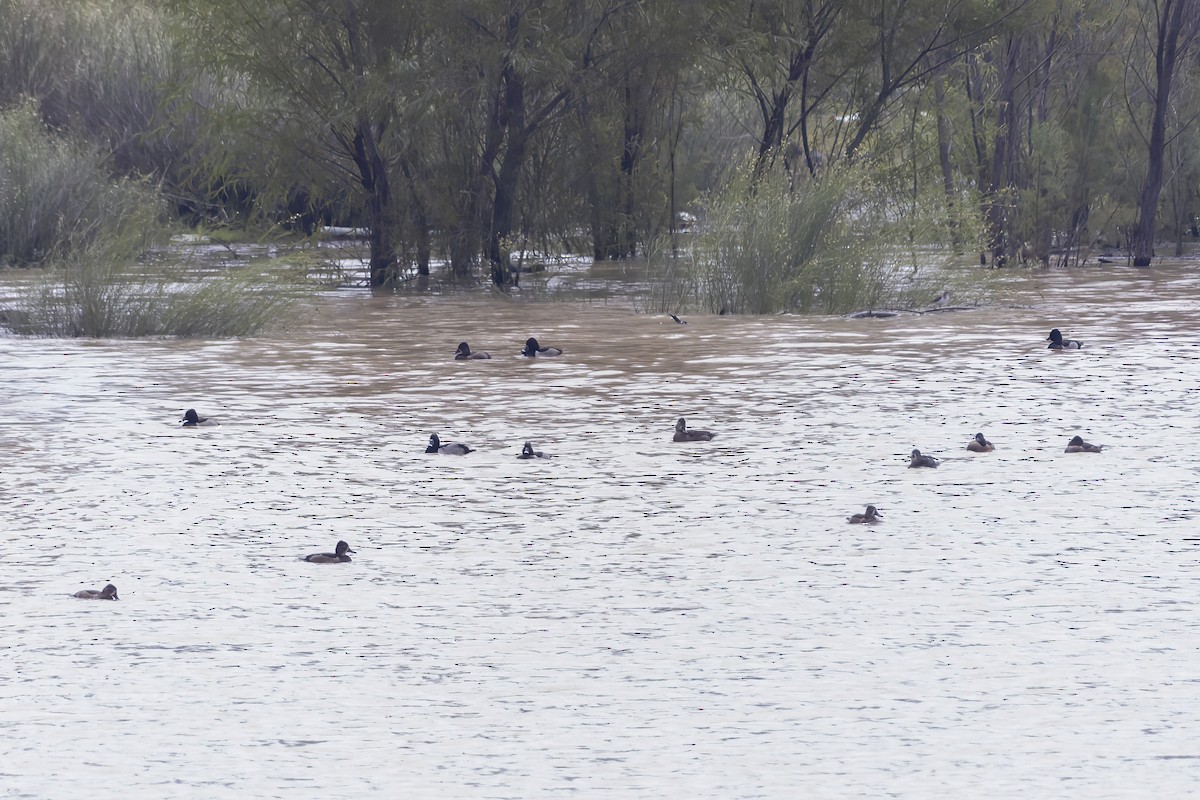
632 618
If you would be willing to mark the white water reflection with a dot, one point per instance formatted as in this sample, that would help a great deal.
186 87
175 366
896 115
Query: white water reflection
632 618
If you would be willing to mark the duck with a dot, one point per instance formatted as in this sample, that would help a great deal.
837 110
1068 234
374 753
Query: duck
532 349
919 460
682 434
337 557
528 452
463 353
980 444
1057 342
678 321
447 449
109 592
869 517
1078 445
193 420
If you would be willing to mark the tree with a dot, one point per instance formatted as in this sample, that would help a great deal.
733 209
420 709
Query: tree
326 87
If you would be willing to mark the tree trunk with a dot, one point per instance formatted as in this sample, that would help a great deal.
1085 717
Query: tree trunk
1173 16
507 178
943 145
1004 154
373 175
418 215
629 161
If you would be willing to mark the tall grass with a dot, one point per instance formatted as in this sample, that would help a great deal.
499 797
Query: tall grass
840 241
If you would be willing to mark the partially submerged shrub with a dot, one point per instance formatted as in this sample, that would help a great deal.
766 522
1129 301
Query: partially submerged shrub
840 241
109 289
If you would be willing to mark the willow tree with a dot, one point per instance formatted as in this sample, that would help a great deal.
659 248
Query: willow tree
328 86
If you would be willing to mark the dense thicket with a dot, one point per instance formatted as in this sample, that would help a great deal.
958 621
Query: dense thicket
477 135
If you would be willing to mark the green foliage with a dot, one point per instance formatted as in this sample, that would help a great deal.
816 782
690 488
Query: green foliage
830 244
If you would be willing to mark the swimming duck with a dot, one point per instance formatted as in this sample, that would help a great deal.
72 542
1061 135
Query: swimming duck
532 349
337 557
447 449
193 420
1057 342
528 452
682 434
980 444
464 353
870 517
919 460
1078 445
109 592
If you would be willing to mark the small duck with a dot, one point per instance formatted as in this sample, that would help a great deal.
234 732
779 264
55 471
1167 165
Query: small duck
682 434
869 517
1057 342
109 592
941 300
193 420
532 349
919 460
528 452
447 449
1078 445
337 557
980 444
463 353
678 321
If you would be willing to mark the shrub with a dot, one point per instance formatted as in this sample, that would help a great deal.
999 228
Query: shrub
837 242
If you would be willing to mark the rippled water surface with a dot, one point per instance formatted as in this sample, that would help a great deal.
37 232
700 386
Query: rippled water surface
632 618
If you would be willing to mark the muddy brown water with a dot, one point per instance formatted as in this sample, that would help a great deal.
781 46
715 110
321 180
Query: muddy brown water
633 617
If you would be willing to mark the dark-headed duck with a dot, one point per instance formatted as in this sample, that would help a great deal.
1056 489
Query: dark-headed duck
532 349
193 420
919 460
463 353
337 557
1078 445
980 444
682 434
1057 342
109 592
447 449
528 452
869 517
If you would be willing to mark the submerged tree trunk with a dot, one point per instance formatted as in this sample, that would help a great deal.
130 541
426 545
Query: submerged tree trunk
1004 154
506 180
372 173
629 162
1173 16
943 146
